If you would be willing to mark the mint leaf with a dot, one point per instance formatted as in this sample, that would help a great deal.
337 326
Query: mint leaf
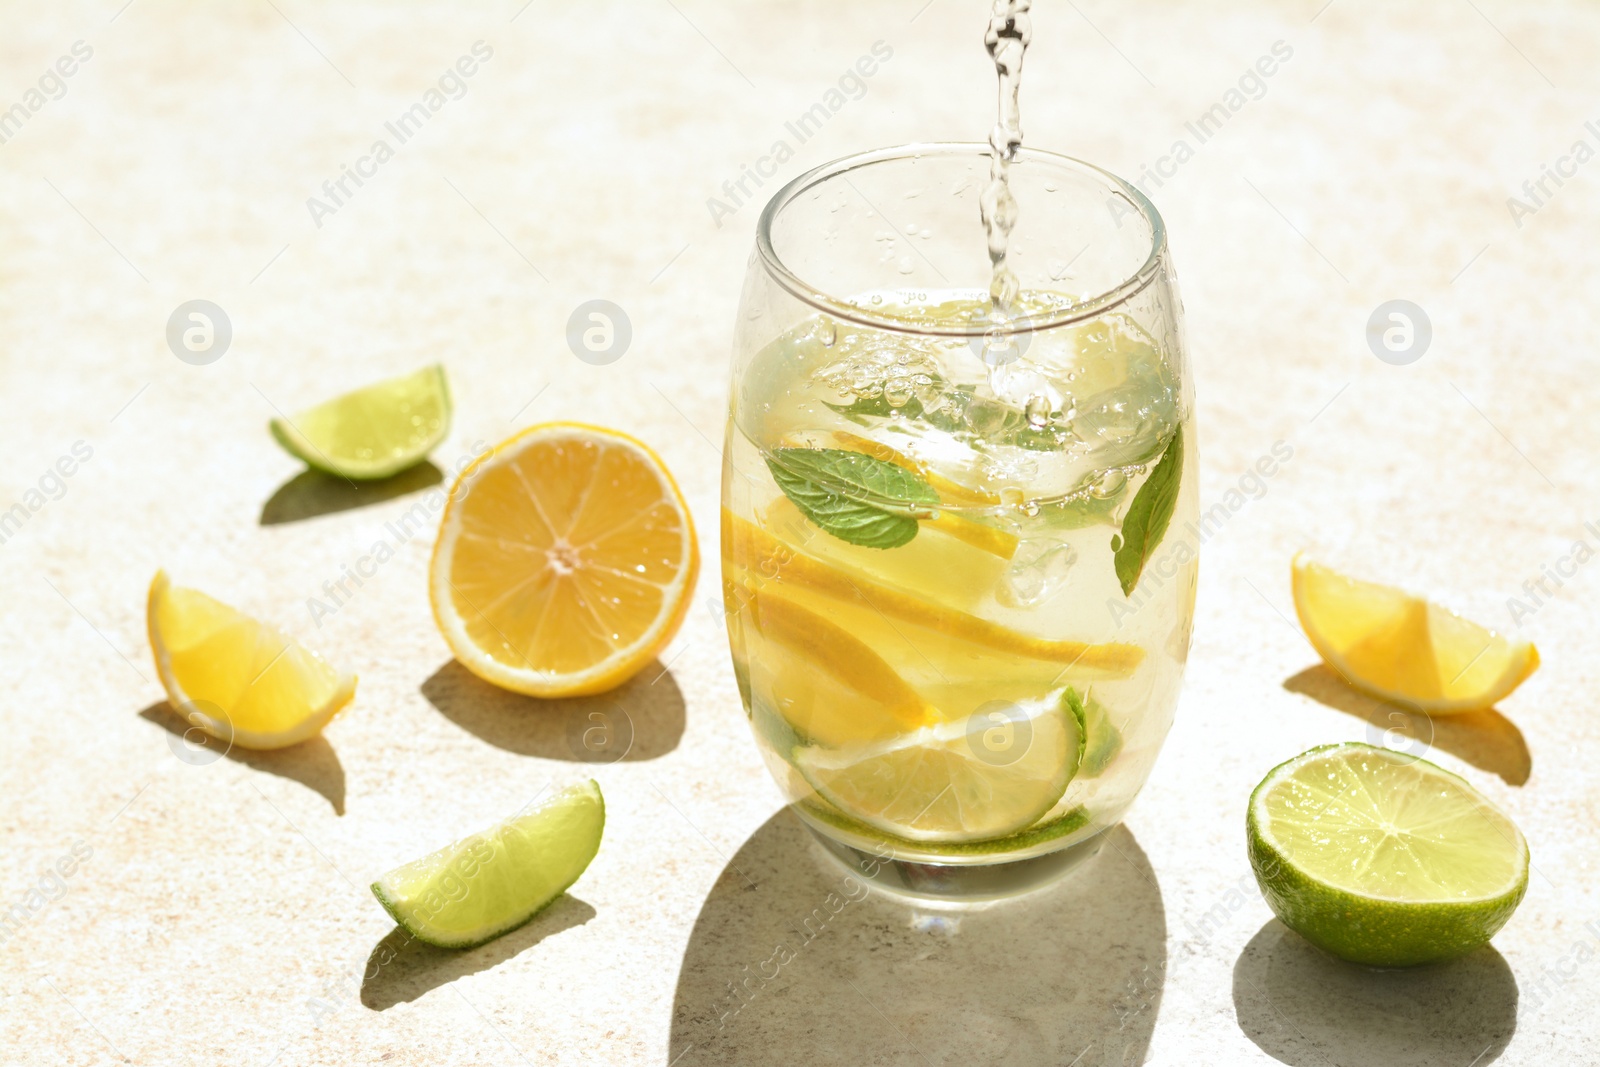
1148 515
855 497
1101 739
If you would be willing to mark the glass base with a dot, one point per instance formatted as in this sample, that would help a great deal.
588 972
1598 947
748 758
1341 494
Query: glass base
968 883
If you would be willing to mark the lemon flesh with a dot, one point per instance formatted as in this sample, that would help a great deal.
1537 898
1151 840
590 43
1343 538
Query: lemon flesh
239 680
565 561
843 590
492 882
373 432
986 776
1401 647
1382 858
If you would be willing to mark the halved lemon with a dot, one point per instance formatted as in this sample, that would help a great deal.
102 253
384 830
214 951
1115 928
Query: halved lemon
239 680
1401 647
565 561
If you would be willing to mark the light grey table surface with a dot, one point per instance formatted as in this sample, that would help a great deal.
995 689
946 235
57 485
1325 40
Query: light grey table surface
218 913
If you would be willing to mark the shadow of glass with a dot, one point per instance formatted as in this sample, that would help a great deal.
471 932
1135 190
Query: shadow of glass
1302 1006
312 763
1486 739
793 960
639 720
311 493
401 969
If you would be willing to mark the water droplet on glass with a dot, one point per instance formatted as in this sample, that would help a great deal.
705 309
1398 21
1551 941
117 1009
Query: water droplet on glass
905 266
826 331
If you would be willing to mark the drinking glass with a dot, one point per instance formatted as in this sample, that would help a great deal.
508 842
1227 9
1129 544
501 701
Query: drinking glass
959 543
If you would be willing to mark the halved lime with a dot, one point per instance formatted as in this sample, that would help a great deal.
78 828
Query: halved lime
985 776
1383 858
373 432
492 882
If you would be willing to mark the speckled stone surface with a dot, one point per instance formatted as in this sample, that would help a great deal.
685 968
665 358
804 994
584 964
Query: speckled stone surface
218 912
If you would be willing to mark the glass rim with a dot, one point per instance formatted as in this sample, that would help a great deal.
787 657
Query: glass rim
1086 309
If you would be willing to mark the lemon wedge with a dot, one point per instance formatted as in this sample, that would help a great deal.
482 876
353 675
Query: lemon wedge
239 680
1401 647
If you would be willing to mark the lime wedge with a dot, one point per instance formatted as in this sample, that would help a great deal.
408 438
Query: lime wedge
985 776
373 432
492 882
1382 858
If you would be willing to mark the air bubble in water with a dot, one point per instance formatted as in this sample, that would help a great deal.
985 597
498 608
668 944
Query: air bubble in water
1109 484
1037 410
897 392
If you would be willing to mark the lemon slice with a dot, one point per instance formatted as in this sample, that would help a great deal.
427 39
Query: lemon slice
565 561
1381 858
828 684
755 551
936 563
491 883
372 432
237 679
1403 648
985 776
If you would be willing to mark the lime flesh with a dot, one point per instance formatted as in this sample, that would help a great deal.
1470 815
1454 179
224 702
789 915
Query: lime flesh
1381 858
372 432
974 779
492 882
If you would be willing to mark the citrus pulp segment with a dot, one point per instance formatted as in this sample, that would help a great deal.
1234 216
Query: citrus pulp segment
239 680
566 560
